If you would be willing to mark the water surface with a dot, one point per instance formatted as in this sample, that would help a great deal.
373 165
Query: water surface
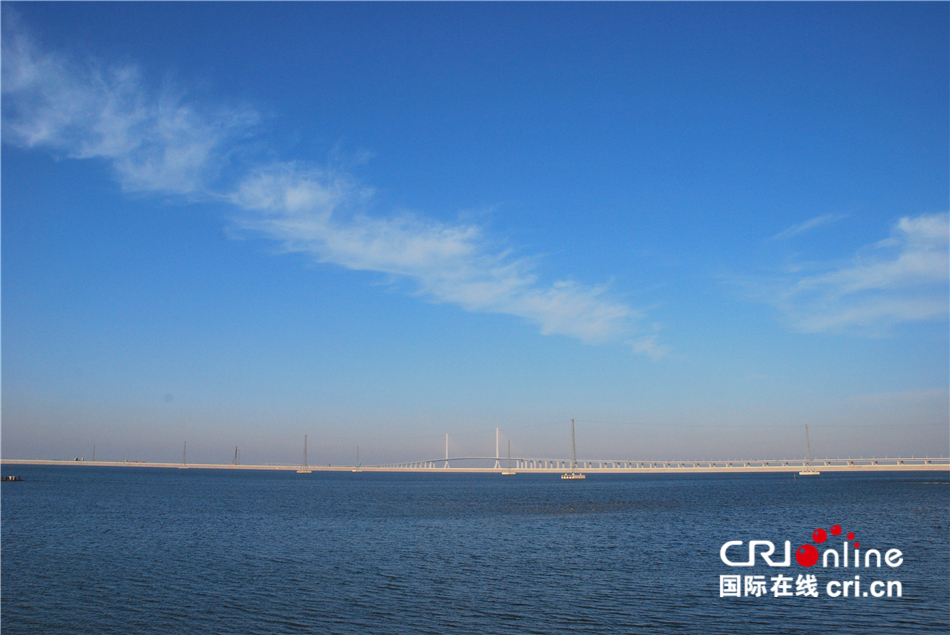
139 550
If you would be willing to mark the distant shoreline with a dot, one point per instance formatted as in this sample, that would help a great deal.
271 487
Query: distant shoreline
917 465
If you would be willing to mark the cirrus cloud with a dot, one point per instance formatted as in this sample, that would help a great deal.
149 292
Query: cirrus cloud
318 213
162 142
153 142
903 278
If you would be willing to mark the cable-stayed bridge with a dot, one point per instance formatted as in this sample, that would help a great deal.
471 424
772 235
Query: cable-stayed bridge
526 464
543 465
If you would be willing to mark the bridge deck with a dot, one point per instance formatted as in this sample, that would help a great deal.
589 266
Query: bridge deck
557 466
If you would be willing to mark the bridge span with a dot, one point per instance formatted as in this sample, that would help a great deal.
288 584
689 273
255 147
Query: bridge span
594 466
525 465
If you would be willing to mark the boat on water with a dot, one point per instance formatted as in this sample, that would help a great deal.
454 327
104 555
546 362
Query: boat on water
11 478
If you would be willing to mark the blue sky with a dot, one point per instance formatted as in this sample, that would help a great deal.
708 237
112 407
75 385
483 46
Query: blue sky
693 228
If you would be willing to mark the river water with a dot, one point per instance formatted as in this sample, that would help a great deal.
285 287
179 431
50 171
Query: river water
139 550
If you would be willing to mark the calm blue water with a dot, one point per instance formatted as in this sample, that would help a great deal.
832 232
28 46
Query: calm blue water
134 550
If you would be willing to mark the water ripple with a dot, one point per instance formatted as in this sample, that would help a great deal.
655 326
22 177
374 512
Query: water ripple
99 550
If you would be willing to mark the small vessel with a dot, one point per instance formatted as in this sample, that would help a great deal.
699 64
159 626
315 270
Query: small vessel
11 478
359 465
574 475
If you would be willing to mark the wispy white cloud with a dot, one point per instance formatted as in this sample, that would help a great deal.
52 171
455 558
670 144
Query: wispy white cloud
319 213
904 278
159 141
154 142
807 225
651 347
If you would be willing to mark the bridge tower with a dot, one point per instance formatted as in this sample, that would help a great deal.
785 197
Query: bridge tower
304 466
446 451
573 449
807 469
574 475
497 464
509 471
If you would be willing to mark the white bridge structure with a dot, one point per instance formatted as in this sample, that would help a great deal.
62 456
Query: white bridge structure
539 465
519 465
522 464
544 465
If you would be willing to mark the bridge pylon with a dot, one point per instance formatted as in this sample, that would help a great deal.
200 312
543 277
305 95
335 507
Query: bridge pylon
304 466
497 462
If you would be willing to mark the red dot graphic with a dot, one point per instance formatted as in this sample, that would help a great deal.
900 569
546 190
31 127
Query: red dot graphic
835 530
850 535
819 536
857 545
806 555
